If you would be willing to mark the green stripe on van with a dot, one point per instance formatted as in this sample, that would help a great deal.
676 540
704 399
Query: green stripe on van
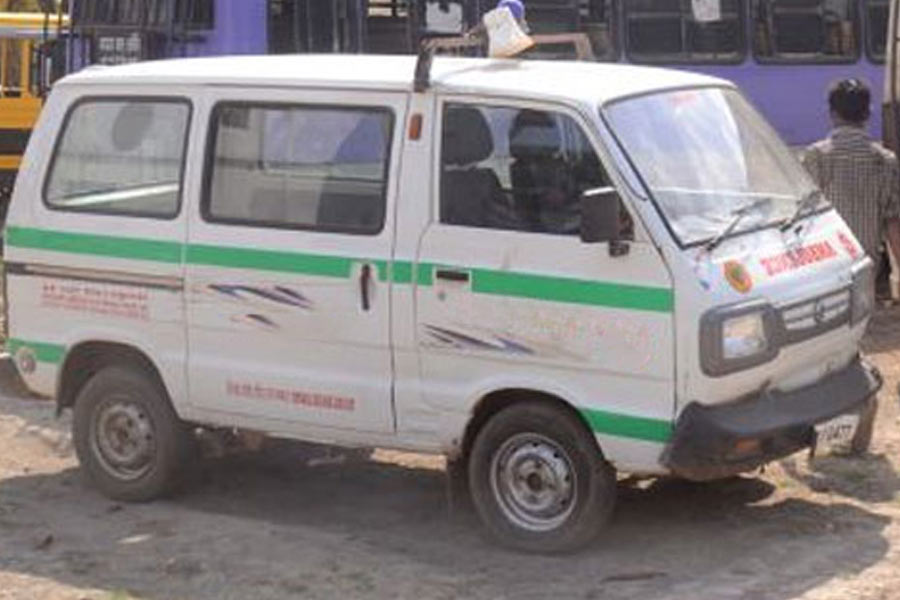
572 291
483 281
43 352
270 260
96 245
401 271
641 428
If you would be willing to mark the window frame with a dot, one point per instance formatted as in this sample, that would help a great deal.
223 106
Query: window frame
680 59
607 162
820 60
213 125
64 127
867 36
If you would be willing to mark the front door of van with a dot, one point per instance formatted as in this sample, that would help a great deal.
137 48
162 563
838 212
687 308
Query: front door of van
288 295
509 295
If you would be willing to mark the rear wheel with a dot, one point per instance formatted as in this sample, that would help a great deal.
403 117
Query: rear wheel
128 438
538 480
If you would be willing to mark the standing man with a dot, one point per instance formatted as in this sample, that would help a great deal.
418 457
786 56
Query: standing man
862 180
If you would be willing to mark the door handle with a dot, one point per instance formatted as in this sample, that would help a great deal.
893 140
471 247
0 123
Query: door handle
365 274
452 275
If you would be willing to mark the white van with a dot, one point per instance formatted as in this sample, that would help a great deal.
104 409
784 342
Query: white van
548 271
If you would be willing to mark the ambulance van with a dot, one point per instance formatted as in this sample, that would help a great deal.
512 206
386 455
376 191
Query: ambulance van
550 272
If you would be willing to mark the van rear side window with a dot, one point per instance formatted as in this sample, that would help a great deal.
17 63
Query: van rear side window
123 157
299 167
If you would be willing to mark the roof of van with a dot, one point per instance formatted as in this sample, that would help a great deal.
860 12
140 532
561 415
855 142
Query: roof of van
591 81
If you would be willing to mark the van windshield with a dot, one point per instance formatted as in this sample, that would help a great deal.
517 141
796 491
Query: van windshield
709 157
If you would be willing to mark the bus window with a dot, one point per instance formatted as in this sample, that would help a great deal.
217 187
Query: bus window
307 26
805 30
598 21
191 14
668 31
593 17
387 27
876 29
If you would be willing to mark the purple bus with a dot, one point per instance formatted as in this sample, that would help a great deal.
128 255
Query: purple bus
783 53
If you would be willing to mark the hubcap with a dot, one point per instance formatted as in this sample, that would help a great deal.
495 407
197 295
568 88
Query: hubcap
123 438
534 482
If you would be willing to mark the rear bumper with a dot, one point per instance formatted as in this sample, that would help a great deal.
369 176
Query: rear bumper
711 442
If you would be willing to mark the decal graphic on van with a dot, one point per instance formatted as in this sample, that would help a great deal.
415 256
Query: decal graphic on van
795 259
259 391
260 321
105 300
460 341
849 245
737 276
277 293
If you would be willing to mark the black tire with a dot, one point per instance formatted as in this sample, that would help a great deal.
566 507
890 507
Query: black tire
562 445
134 410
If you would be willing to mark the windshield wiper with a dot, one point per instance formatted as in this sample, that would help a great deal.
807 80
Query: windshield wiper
808 201
738 215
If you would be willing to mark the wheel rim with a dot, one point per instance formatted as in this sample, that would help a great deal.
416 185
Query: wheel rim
534 482
123 438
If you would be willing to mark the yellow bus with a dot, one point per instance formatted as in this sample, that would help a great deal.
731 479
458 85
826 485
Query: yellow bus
29 57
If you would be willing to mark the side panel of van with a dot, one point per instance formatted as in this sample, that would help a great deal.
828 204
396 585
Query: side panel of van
289 258
509 297
94 238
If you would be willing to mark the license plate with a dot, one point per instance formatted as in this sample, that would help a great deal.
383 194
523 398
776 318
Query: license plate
836 433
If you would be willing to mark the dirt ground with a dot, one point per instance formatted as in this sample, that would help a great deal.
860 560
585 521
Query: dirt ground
278 525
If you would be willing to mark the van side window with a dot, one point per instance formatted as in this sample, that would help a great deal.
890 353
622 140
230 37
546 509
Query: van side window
299 167
122 157
516 169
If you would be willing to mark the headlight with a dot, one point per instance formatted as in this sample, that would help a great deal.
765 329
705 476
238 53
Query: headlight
738 337
862 294
743 336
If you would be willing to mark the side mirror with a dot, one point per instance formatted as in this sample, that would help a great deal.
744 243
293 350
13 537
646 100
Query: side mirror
601 219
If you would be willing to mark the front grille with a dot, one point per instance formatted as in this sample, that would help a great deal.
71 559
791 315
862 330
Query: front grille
808 318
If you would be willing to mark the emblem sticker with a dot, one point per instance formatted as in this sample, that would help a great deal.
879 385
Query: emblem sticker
737 276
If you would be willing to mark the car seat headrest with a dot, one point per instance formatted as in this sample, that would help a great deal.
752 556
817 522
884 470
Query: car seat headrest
534 134
467 136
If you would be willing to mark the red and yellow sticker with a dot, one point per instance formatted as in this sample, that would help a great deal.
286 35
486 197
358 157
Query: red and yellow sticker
737 276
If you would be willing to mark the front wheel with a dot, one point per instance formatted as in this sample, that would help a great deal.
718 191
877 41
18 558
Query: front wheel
128 438
539 481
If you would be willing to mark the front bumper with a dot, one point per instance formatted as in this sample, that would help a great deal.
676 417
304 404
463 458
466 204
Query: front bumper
711 442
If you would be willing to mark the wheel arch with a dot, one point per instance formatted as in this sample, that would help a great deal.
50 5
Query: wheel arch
88 357
494 401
